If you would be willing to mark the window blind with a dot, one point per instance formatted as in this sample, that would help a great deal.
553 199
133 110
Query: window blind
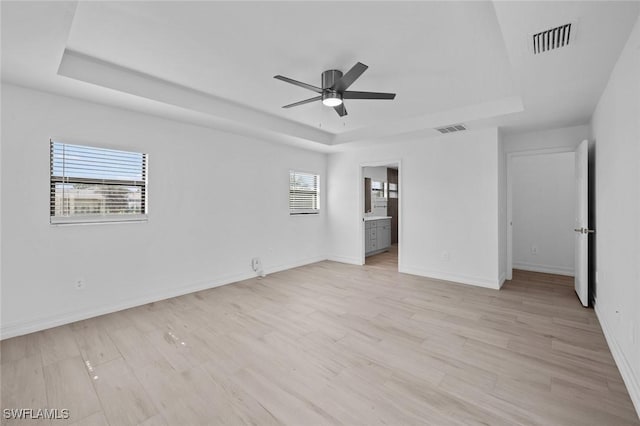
91 184
304 193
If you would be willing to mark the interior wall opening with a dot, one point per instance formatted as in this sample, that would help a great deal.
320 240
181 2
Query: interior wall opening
381 214
542 213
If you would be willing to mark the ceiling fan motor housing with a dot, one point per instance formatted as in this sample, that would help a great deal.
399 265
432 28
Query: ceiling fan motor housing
330 77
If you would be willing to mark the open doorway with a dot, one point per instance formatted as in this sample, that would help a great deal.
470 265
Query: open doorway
545 205
380 211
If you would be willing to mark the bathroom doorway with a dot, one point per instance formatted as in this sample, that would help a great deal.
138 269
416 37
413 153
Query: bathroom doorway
380 210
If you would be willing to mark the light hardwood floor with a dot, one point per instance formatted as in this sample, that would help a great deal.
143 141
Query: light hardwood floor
386 260
330 343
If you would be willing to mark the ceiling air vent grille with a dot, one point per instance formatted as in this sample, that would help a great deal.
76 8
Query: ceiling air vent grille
551 39
452 128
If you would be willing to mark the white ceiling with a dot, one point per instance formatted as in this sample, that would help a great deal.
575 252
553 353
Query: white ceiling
212 63
561 88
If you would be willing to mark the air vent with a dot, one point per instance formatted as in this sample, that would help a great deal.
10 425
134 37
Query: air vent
551 39
452 128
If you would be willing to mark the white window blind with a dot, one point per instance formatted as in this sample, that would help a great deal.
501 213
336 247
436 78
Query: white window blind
91 184
304 193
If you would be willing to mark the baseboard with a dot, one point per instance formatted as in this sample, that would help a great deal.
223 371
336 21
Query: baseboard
343 259
373 253
547 269
25 327
502 279
297 264
630 380
438 275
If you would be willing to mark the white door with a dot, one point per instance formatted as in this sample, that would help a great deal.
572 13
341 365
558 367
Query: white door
581 225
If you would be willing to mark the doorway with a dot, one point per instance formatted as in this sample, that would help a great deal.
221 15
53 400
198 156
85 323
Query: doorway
544 208
380 210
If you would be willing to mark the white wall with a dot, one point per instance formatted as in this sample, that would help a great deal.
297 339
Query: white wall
448 203
200 232
379 174
616 130
543 203
375 173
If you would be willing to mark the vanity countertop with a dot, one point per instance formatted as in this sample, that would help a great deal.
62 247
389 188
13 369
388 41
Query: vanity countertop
368 218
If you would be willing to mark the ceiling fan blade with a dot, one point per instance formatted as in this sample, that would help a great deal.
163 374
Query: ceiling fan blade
306 101
298 83
351 76
367 95
341 110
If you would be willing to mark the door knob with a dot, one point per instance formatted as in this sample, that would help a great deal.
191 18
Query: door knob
584 230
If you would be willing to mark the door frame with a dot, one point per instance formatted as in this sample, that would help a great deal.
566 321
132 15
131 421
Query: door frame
509 195
360 204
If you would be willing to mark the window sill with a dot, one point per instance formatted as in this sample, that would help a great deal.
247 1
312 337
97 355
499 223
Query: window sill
101 220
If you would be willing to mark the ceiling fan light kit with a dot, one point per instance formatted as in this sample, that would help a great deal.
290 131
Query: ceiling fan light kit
334 89
331 99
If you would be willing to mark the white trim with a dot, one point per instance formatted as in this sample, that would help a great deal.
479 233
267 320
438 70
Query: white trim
444 276
344 259
373 253
296 264
502 279
19 328
98 220
544 151
548 269
630 380
509 218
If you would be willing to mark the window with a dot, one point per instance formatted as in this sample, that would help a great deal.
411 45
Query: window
379 189
304 193
393 190
96 185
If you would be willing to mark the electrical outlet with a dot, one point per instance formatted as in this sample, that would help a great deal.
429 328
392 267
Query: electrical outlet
445 256
534 250
256 264
80 284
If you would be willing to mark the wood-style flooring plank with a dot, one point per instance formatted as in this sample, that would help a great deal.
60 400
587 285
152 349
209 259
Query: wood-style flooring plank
69 386
23 386
124 400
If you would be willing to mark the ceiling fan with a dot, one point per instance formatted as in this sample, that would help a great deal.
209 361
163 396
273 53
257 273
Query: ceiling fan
334 89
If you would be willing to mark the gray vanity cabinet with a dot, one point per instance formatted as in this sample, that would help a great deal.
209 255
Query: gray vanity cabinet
377 236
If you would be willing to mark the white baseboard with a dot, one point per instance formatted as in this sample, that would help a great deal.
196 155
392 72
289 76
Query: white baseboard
296 264
630 380
502 279
343 259
479 282
8 330
548 269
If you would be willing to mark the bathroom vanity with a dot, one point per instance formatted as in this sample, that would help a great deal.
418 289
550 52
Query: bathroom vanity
377 234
